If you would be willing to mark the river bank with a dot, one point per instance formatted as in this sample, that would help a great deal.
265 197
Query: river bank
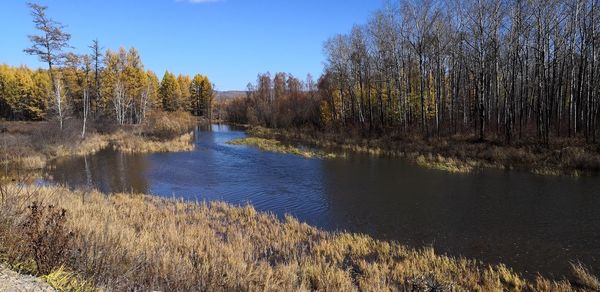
31 145
120 241
457 154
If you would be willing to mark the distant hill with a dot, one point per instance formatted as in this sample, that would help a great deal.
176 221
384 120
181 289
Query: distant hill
224 95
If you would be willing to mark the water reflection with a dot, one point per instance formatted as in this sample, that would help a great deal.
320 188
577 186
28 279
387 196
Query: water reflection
107 170
532 223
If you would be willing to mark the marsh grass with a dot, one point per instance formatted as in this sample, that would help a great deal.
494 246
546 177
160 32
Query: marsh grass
139 242
126 142
21 155
584 278
276 146
459 154
33 148
439 162
31 145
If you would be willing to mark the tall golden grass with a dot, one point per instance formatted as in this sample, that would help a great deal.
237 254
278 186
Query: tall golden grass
168 125
140 242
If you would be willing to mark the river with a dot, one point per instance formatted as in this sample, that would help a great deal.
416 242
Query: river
534 224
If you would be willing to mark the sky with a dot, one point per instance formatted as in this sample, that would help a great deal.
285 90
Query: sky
230 41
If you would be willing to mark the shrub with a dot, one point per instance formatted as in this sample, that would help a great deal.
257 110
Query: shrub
46 237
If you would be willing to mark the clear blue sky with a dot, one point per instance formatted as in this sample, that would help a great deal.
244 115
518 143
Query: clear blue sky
228 40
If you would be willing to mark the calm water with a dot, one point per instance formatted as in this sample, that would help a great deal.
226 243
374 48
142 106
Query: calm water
531 223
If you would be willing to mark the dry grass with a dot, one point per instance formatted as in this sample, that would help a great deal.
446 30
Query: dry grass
169 125
584 278
127 142
29 152
64 280
459 153
30 145
31 162
445 164
140 242
272 145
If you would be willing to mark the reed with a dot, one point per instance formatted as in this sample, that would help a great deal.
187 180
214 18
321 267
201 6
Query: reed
140 242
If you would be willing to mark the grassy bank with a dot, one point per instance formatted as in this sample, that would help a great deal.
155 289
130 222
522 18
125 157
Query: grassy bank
31 145
273 145
458 154
141 242
131 143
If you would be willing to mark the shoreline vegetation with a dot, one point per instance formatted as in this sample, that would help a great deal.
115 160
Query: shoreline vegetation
457 154
89 240
451 87
276 254
272 145
32 145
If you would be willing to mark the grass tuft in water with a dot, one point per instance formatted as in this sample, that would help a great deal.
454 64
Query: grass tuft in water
444 164
273 145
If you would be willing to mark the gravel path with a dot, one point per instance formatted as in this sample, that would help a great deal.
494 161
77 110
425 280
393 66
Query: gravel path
13 282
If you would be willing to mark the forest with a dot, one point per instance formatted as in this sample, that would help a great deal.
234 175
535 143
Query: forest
495 70
106 86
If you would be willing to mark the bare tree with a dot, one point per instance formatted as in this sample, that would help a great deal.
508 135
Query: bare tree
420 18
49 45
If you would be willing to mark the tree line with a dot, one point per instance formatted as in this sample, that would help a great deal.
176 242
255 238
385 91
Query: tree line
279 101
491 68
107 85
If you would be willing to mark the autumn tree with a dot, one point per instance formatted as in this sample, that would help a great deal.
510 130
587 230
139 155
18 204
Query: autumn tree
9 92
184 82
149 95
170 93
202 96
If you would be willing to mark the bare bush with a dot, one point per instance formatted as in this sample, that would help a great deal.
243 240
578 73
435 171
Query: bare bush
46 236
